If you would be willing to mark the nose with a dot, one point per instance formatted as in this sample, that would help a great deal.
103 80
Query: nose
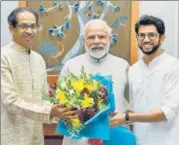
146 39
96 40
29 30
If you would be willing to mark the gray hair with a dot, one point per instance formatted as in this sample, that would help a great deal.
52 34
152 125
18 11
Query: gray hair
94 21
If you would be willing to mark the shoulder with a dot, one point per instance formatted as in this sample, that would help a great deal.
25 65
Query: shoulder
118 61
172 63
171 60
73 65
75 60
5 50
135 67
6 53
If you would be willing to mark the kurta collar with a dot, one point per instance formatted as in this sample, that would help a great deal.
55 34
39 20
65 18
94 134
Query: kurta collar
96 61
19 48
155 62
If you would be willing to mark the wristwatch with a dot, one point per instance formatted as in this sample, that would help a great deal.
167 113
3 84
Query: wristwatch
127 119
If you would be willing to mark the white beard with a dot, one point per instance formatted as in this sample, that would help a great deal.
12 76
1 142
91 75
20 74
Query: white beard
98 53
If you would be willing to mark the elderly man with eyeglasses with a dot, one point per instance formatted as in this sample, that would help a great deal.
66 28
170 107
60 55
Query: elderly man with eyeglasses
154 88
23 84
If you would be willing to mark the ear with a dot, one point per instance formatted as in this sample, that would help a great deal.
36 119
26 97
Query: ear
11 28
162 38
40 27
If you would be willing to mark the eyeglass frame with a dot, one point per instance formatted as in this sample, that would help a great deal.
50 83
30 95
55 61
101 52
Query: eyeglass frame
149 37
32 26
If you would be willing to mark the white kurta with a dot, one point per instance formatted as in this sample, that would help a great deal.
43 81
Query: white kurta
23 83
110 65
156 86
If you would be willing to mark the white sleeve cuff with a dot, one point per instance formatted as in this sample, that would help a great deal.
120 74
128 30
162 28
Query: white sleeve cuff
169 114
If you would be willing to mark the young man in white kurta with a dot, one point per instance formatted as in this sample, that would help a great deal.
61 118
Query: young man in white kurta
99 62
154 87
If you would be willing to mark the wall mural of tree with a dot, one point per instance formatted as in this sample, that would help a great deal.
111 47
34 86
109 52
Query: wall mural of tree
62 24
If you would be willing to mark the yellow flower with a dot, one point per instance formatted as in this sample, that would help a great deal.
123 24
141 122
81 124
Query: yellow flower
100 104
87 102
76 123
78 85
61 96
89 87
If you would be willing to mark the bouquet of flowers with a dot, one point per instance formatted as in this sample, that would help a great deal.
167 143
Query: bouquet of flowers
92 96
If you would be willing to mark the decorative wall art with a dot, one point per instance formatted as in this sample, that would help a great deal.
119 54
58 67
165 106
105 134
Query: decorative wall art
60 37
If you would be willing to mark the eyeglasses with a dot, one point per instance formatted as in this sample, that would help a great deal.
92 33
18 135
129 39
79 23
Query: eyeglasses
151 36
25 26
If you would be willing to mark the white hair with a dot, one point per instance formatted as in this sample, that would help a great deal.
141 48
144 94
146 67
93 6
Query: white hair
97 21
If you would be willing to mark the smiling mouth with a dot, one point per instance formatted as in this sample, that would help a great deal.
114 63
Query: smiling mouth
28 37
148 45
97 48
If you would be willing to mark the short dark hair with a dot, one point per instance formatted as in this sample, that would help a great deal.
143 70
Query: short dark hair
151 20
12 18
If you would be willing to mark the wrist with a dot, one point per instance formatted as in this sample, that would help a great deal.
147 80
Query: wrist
128 117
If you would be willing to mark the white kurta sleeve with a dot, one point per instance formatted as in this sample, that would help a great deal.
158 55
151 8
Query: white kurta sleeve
170 104
12 101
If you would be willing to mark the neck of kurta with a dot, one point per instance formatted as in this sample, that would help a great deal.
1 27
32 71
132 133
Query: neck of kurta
20 48
97 61
148 58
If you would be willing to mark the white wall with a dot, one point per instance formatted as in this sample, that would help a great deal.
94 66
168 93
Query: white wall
6 8
169 12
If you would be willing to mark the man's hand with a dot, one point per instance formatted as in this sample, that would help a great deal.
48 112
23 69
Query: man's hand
63 112
118 119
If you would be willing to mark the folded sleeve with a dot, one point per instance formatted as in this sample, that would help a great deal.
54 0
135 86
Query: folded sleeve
170 103
12 101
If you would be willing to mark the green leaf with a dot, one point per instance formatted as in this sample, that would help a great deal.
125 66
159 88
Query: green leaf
46 97
73 76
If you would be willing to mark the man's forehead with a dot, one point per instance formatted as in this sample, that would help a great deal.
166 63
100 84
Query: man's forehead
26 17
147 29
96 33
97 26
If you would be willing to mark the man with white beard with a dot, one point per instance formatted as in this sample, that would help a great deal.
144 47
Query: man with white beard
97 35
